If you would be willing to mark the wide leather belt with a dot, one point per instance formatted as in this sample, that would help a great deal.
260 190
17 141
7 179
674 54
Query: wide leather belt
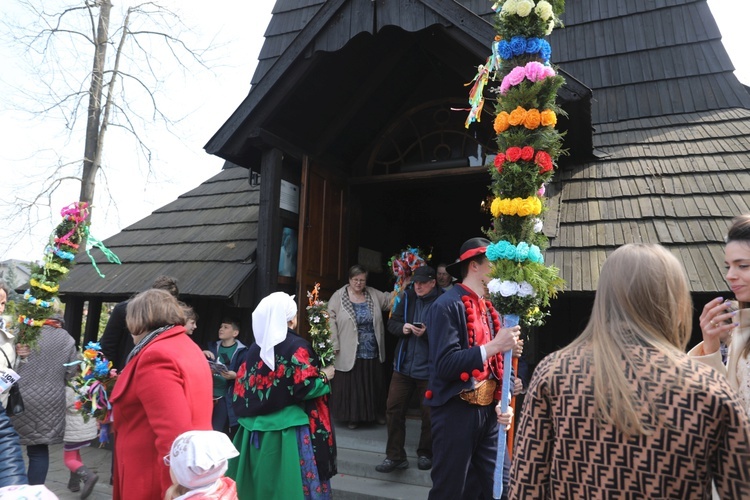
483 393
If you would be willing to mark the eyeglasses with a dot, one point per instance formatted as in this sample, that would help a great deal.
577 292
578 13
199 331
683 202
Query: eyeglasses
358 282
167 461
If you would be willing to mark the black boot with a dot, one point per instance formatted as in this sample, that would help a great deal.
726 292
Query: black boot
74 483
89 479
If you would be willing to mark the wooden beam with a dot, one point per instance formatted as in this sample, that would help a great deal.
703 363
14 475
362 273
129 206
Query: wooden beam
269 223
431 175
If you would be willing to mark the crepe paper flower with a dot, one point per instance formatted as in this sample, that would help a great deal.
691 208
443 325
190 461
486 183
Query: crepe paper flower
541 192
532 120
527 153
513 154
544 10
499 161
543 161
505 250
516 206
533 71
525 289
548 118
502 122
539 223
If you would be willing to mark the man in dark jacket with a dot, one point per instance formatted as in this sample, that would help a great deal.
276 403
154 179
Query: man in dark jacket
116 340
12 468
410 370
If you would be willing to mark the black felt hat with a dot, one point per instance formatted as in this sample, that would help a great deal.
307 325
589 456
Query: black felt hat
469 249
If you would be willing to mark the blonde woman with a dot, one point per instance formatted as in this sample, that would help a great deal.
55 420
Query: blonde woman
721 318
623 412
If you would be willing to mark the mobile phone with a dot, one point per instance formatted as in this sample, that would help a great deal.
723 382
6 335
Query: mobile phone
418 325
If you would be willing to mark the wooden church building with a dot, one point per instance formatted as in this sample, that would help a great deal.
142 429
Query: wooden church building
351 145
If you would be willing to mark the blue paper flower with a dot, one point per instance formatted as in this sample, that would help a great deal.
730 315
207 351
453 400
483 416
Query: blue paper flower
546 51
533 45
504 50
518 45
522 251
535 255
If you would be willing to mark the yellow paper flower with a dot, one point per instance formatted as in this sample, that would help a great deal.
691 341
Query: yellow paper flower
521 207
548 118
89 353
532 119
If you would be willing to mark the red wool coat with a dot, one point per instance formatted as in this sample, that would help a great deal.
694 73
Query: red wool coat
163 391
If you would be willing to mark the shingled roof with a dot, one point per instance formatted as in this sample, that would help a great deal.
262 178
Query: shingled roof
671 121
672 129
206 239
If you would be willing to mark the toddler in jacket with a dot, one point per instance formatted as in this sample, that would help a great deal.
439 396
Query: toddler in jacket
197 463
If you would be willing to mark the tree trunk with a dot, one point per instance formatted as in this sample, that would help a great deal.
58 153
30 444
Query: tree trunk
91 156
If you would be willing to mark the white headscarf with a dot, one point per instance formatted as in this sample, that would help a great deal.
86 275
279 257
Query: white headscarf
270 323
199 458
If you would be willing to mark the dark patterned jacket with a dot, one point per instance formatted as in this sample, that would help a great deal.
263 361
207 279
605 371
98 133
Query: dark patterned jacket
701 433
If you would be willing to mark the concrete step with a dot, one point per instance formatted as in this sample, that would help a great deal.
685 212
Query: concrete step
362 464
361 488
363 448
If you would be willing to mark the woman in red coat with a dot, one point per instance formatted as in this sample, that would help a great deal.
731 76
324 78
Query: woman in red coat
163 391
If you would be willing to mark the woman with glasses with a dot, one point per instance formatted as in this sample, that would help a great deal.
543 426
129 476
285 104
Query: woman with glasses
356 318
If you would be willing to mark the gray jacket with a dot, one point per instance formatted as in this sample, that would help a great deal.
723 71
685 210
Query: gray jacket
42 385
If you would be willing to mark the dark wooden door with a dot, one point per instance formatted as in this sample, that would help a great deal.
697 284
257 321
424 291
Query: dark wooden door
323 234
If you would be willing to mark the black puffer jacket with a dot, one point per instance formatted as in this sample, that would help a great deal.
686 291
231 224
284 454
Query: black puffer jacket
412 352
12 469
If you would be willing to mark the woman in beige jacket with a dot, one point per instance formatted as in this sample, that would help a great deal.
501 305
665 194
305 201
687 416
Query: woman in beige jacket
357 330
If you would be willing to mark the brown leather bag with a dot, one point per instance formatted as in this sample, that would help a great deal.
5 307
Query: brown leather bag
483 393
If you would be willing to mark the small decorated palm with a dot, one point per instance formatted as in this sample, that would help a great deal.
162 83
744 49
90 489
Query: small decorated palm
93 385
320 330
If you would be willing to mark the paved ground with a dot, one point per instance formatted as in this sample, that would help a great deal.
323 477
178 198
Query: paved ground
96 459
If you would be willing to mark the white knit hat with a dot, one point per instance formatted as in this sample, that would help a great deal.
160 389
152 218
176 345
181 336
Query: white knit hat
199 458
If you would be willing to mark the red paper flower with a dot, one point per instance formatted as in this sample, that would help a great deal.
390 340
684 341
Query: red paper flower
499 160
527 153
513 154
465 377
428 394
544 161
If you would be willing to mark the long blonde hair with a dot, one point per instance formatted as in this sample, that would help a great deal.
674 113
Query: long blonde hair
642 300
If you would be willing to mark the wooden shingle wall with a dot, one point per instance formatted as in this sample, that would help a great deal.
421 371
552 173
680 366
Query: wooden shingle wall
678 184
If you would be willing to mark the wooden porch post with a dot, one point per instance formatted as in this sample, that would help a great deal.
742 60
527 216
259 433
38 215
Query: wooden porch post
74 317
91 332
269 223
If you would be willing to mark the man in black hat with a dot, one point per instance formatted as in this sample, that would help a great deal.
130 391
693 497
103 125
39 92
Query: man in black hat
410 370
466 346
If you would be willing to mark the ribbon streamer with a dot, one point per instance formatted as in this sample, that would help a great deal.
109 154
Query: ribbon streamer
92 242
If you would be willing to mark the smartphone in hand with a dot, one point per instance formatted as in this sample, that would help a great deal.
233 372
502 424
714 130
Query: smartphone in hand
418 325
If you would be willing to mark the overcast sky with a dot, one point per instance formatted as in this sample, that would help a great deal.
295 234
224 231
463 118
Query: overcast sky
202 101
